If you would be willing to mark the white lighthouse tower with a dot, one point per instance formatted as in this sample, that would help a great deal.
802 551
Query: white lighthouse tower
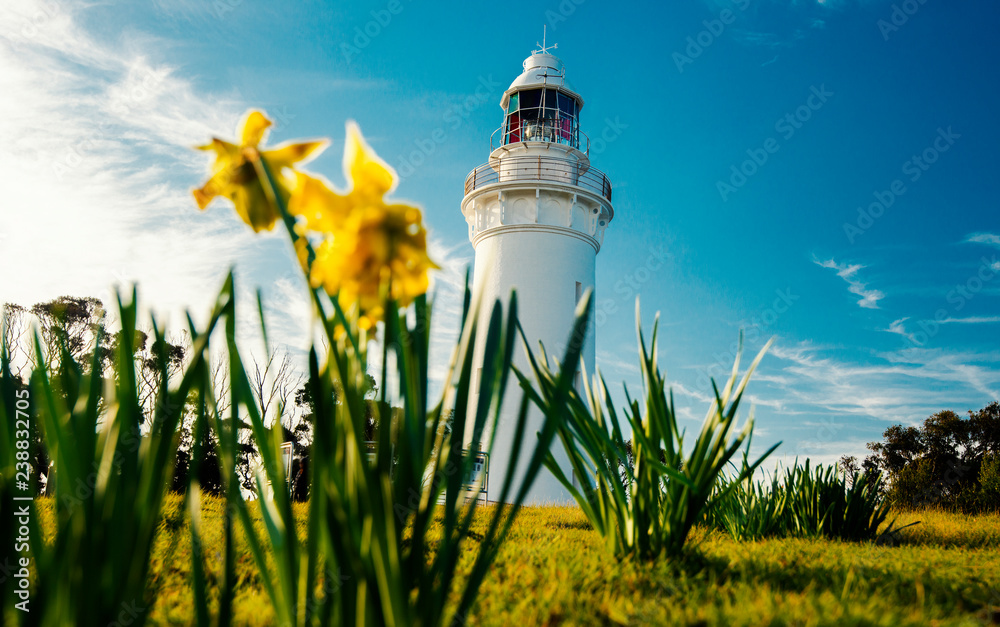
537 212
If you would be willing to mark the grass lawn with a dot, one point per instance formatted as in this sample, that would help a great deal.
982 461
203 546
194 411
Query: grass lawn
554 570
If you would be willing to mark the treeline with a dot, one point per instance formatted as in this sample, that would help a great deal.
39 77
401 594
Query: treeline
70 326
949 462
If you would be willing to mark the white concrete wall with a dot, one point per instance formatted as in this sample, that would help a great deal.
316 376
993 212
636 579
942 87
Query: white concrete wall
543 263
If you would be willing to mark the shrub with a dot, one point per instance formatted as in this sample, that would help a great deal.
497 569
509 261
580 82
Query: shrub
817 502
822 503
748 508
989 482
648 507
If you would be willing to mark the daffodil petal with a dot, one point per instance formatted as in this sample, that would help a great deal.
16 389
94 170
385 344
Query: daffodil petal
285 155
254 127
224 152
371 177
215 186
369 250
323 209
202 197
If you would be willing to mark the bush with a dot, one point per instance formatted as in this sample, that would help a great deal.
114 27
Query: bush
818 502
642 499
989 482
822 503
747 508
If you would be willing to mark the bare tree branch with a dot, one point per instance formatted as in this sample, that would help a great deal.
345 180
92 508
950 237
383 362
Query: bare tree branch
16 325
221 386
273 383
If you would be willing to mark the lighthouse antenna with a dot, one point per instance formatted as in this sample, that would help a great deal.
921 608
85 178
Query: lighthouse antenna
542 48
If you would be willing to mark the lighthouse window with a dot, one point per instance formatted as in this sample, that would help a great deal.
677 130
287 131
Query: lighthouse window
566 105
527 116
546 115
513 128
530 99
550 105
567 119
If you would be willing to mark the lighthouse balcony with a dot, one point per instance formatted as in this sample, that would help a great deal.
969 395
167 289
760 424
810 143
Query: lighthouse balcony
530 169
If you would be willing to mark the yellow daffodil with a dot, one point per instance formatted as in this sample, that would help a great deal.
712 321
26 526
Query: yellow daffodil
367 243
370 179
367 249
323 209
235 176
376 245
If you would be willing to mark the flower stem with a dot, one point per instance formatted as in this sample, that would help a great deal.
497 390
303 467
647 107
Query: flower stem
271 190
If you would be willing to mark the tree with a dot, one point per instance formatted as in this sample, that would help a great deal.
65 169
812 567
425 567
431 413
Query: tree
849 466
902 445
16 326
852 470
152 359
209 466
72 323
14 340
273 383
301 433
942 461
984 430
68 325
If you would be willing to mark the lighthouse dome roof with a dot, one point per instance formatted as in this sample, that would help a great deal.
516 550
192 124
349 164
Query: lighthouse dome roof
541 69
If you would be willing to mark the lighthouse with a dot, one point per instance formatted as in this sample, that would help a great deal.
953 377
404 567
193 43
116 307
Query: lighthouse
537 212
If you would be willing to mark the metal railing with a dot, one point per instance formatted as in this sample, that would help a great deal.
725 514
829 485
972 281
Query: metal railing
539 168
540 131
540 124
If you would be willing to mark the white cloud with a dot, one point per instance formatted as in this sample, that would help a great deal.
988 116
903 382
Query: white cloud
608 361
971 320
848 272
682 390
776 25
899 328
97 166
990 239
96 169
902 386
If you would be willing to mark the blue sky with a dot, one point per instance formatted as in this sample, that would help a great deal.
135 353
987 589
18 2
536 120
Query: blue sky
823 172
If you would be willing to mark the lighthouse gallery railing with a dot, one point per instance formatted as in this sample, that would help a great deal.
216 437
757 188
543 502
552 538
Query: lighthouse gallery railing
539 169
